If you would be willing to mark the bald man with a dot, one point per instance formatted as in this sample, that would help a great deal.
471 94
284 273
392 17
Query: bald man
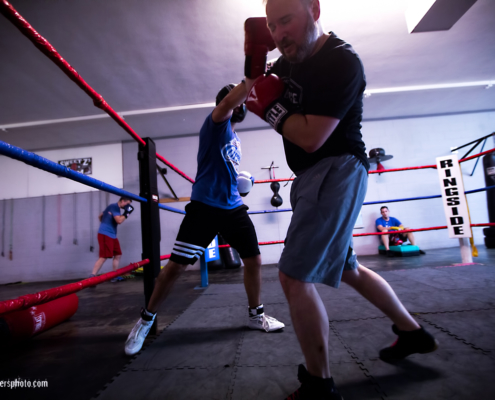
313 97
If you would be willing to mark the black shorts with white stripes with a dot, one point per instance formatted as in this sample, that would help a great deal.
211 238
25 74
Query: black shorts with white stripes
203 222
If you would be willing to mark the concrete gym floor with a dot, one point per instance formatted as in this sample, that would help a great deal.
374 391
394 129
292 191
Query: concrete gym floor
204 351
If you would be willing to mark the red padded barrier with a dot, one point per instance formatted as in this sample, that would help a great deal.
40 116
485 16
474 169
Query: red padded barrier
24 324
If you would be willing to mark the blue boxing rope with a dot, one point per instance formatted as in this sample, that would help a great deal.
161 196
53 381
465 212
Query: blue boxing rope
480 190
383 201
49 166
57 169
270 211
174 210
406 199
426 197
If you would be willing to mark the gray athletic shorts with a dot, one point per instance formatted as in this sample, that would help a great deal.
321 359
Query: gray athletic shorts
326 200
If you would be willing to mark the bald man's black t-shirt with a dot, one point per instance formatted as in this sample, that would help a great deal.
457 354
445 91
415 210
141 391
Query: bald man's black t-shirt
330 83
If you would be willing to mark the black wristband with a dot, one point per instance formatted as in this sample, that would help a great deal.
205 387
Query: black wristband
278 112
248 66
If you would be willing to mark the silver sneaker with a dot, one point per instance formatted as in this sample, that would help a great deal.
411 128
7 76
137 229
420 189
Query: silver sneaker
265 323
135 340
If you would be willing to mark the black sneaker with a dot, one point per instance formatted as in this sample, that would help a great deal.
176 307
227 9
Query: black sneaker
409 342
421 252
314 388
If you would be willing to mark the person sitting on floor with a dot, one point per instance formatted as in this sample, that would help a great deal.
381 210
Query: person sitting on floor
387 223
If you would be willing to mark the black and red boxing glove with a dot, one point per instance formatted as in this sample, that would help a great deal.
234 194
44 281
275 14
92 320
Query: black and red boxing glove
266 100
128 209
257 43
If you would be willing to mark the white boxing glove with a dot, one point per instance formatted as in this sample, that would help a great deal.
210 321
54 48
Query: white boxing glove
245 183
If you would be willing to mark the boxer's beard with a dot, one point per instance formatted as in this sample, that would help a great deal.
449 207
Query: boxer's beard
306 48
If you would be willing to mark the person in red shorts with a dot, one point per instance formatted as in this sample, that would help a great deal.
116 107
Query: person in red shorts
107 234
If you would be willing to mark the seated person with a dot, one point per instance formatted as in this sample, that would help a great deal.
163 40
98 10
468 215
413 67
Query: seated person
387 223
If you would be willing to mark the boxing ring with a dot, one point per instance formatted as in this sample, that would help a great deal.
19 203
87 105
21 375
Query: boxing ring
221 356
39 162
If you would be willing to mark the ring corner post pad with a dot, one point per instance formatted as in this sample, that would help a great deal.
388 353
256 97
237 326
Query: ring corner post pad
204 273
455 203
150 218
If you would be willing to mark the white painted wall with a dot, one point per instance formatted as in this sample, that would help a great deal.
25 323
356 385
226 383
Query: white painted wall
22 180
412 142
59 261
415 142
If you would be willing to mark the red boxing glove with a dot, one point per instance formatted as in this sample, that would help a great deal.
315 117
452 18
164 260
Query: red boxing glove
258 42
266 100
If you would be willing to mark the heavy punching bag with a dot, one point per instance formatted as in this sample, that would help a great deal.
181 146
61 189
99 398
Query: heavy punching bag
489 168
23 324
229 255
217 264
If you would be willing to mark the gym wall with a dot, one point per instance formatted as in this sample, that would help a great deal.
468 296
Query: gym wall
412 142
26 181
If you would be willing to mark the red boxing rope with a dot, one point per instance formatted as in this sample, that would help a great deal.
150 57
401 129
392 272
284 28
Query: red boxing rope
274 180
174 168
30 300
47 49
431 166
388 170
477 155
487 224
433 228
376 171
44 296
260 243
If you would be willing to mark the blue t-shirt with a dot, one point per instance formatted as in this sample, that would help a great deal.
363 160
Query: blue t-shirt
219 156
387 224
108 224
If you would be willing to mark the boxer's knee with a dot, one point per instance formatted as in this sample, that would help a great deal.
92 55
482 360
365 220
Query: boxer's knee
171 269
291 285
252 262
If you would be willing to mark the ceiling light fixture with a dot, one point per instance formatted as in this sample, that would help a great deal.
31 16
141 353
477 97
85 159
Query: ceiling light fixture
367 93
399 89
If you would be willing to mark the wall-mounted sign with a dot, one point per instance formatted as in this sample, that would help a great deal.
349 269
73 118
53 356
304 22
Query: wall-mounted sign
82 165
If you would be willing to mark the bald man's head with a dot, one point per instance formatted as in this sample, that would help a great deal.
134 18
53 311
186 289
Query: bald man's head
293 26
